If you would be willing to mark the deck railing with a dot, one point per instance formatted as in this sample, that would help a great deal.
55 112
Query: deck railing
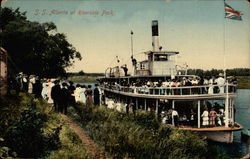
183 90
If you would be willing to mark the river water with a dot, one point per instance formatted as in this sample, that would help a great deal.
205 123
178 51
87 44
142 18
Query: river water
239 148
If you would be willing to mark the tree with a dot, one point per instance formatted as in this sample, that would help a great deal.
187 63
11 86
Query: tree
81 73
36 48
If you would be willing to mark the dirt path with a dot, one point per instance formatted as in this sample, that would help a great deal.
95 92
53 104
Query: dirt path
91 147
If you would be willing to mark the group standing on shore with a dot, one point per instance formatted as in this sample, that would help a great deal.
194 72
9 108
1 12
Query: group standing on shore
60 94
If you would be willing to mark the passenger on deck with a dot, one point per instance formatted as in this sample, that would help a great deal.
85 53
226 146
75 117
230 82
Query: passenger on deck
212 116
192 117
221 82
133 107
205 117
125 69
218 119
175 118
194 81
206 81
210 88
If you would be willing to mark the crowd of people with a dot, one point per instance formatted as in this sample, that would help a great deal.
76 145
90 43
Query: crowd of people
211 116
214 85
61 94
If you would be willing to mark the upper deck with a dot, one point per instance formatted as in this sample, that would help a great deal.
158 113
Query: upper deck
176 93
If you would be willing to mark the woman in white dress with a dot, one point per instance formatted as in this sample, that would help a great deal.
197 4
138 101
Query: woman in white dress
77 93
82 94
205 117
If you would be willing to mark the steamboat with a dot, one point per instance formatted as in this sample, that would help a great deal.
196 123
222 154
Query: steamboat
184 101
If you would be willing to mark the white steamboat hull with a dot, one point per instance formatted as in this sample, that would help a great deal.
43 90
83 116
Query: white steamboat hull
219 136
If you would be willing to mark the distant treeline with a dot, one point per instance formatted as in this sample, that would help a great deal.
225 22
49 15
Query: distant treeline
216 72
81 73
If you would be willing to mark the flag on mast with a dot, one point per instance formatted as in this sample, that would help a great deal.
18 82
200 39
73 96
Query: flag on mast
232 13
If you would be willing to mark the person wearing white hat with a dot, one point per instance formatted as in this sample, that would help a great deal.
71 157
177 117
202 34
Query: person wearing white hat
221 83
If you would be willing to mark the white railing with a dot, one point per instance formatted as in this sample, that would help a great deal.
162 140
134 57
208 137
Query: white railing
183 90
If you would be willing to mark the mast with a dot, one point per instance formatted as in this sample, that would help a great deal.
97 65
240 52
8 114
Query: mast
226 106
131 38
224 45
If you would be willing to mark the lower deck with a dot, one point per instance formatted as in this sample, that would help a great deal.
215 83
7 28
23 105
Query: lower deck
236 127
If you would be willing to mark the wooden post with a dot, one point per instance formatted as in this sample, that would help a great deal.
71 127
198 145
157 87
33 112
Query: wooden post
136 102
171 114
226 107
199 113
172 104
156 107
145 104
232 110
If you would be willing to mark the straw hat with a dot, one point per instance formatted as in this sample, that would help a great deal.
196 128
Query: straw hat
221 74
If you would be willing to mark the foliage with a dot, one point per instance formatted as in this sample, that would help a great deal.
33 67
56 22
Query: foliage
35 48
216 72
127 136
71 145
11 107
5 151
31 128
81 73
27 138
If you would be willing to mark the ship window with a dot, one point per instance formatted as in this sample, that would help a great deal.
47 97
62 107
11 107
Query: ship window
142 66
160 58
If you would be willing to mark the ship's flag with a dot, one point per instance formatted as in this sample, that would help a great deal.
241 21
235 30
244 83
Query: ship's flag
231 13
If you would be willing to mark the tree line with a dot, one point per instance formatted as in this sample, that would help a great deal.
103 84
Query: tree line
216 72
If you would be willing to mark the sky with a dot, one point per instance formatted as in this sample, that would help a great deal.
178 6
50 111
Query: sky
100 30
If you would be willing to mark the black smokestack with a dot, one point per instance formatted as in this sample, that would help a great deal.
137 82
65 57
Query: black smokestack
155 31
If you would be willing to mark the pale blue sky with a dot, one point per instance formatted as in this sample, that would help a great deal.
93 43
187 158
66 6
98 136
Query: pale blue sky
195 28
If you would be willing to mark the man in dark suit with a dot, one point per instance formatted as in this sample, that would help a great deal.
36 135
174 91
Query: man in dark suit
55 94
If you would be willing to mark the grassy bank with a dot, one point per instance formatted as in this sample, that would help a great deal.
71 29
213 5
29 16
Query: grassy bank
243 82
139 136
31 129
83 79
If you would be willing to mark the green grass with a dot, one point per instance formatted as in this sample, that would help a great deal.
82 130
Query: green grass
138 136
83 79
71 147
243 82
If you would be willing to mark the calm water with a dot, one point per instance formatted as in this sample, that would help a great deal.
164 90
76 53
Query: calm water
239 148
